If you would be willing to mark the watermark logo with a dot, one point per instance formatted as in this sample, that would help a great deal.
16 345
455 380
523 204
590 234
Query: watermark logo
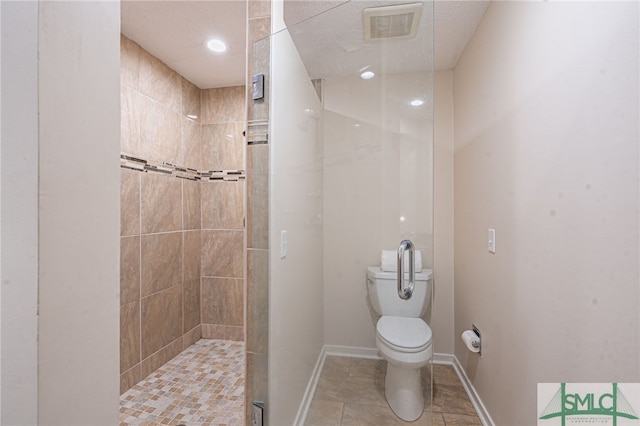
616 404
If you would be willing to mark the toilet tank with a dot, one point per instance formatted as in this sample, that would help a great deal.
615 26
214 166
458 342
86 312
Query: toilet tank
383 293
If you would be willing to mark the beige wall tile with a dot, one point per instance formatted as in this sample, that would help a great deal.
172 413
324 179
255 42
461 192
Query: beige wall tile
129 335
258 196
223 332
190 145
222 146
257 388
161 261
258 62
161 320
191 203
192 247
223 105
129 378
160 82
222 254
191 303
161 203
257 295
190 99
129 121
158 359
257 210
222 300
259 8
222 205
191 337
129 202
129 62
259 28
159 132
129 269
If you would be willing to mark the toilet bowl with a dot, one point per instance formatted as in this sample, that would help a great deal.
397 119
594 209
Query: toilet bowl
405 343
403 339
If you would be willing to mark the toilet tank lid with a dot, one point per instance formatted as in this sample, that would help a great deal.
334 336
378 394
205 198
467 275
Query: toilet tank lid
376 272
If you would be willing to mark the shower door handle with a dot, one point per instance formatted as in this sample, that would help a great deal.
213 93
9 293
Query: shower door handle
405 291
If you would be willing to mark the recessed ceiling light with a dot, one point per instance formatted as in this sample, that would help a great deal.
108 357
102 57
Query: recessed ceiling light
417 102
216 45
192 116
367 75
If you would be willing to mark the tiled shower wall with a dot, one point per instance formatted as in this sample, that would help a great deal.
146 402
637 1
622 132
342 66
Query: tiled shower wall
223 215
258 53
182 214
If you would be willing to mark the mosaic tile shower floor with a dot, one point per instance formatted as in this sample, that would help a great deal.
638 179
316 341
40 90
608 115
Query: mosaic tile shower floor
203 385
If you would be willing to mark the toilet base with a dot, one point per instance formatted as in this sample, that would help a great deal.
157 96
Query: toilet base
403 390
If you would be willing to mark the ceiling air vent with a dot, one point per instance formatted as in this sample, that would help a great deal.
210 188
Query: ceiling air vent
395 22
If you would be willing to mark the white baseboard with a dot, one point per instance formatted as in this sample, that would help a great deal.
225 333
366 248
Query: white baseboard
303 410
448 359
485 418
352 351
327 350
372 353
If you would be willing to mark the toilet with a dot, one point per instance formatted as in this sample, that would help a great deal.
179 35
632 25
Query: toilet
402 338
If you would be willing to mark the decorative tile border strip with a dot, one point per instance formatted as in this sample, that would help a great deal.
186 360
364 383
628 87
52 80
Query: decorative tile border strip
142 165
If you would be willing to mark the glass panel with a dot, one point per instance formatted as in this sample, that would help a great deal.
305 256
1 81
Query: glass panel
350 175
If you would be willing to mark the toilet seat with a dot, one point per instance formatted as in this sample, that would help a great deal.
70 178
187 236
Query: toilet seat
404 334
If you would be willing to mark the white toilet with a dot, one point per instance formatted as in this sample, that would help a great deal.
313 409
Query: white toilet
402 338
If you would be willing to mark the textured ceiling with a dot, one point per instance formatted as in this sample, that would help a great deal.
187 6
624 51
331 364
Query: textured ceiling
331 44
329 37
454 24
176 32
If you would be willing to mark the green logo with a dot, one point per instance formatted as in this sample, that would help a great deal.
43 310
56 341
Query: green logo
588 404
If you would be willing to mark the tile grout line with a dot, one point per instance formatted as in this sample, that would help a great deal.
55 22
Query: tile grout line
195 398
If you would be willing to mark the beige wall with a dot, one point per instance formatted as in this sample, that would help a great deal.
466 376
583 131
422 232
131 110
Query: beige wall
546 136
182 240
295 312
374 174
78 101
19 222
348 318
442 323
61 230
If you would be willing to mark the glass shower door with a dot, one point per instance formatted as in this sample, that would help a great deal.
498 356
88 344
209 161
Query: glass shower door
350 160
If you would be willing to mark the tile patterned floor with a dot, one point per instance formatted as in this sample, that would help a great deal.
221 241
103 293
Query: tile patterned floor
350 392
204 385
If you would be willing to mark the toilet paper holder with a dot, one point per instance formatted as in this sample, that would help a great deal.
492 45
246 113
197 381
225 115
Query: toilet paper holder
477 344
472 340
